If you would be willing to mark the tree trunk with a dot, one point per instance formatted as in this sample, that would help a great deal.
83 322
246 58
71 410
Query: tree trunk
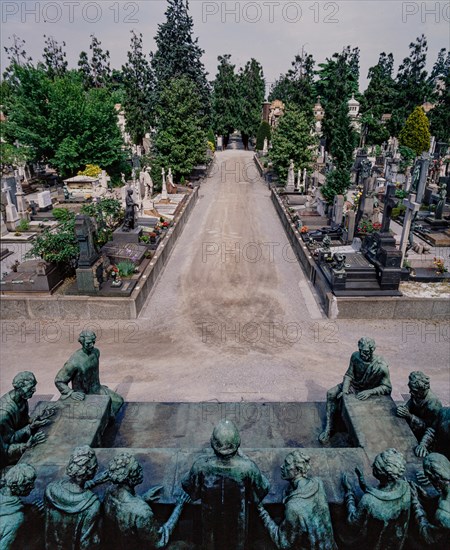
245 140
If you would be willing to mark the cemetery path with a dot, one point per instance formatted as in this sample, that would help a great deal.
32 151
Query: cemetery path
232 317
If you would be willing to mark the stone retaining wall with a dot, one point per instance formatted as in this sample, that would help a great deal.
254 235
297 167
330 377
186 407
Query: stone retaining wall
57 306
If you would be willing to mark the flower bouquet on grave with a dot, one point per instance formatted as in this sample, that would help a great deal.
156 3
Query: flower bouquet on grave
366 227
440 267
304 229
165 225
153 237
115 276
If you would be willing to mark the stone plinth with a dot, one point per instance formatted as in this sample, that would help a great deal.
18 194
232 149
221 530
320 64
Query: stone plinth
121 237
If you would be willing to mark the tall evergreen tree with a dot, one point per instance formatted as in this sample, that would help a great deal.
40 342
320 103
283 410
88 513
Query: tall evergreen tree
138 84
178 53
96 71
55 62
412 83
225 98
292 139
251 96
180 141
440 115
338 80
297 85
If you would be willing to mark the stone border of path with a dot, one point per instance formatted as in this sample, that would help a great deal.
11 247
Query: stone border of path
377 307
56 306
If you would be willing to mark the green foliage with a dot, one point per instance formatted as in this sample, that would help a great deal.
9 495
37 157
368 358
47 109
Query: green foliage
211 136
337 183
376 132
63 214
95 72
126 268
180 140
407 157
292 140
416 132
440 115
91 170
225 97
401 194
54 57
178 54
251 87
23 225
63 124
138 84
338 80
264 132
297 86
58 246
398 211
108 214
12 156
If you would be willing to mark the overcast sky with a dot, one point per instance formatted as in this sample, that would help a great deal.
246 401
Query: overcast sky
270 31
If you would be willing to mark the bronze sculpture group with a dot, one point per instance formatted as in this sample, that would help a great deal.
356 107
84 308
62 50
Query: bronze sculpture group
227 483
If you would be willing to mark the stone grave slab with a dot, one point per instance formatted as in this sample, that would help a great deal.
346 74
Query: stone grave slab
374 425
33 276
121 237
124 251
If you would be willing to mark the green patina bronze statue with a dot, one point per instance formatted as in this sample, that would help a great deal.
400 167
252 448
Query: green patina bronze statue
434 533
381 519
437 437
227 483
82 371
17 482
129 520
367 375
307 520
72 512
16 426
423 407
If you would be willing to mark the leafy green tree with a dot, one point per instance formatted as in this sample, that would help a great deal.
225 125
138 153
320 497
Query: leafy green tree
297 86
64 124
440 115
416 132
96 71
178 53
58 246
251 96
338 80
138 83
292 139
341 149
264 132
412 84
109 215
17 56
54 57
225 98
180 141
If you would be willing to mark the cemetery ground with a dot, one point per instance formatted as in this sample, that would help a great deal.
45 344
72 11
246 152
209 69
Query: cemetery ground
232 318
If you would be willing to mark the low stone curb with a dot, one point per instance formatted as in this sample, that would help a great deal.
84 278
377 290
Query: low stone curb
20 306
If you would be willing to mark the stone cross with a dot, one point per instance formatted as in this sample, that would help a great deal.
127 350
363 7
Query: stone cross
12 218
419 178
297 183
265 147
411 208
390 202
338 209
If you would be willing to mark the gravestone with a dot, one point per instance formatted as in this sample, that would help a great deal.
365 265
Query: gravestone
89 260
419 177
338 209
12 217
290 184
349 230
33 276
44 201
164 194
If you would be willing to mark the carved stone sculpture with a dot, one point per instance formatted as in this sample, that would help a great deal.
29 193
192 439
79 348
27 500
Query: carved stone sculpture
129 520
307 520
82 371
227 484
16 426
381 518
435 532
367 375
437 437
130 206
72 512
422 409
17 482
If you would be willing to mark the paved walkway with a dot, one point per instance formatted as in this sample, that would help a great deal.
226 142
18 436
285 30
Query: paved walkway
232 317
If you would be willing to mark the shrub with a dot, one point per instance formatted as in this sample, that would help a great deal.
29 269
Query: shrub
263 132
23 225
63 214
126 268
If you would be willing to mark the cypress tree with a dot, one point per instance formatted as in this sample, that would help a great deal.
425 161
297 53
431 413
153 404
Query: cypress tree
224 98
